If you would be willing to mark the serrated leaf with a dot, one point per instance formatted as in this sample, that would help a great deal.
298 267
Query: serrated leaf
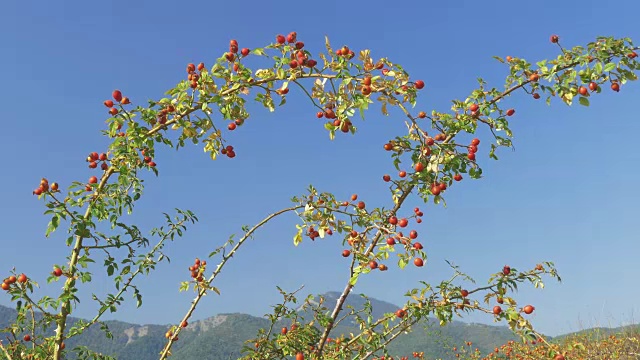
609 67
584 101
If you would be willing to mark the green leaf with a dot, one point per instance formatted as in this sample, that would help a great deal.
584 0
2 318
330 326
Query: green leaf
584 101
610 66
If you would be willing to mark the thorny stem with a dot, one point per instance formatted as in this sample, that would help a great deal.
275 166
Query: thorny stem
203 289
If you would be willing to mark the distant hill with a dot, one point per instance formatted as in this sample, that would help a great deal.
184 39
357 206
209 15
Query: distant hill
221 337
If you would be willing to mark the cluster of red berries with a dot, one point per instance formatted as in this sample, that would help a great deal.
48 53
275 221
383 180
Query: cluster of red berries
94 158
117 96
345 52
147 159
234 124
44 187
197 269
228 150
192 75
413 234
472 149
297 57
6 284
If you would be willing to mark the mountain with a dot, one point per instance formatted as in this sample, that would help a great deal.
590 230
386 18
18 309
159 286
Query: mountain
222 336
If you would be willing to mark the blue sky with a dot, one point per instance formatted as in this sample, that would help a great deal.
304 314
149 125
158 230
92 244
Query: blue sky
567 194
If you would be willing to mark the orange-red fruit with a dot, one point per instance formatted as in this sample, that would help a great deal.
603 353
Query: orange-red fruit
319 114
191 68
457 177
386 178
184 324
125 100
419 167
113 111
108 103
528 309
510 112
413 234
615 87
5 286
497 310
54 187
117 95
361 205
346 253
393 220
506 270
401 313
471 156
559 357
93 180
554 39
280 39
422 114
417 245
464 293
232 126
419 84
593 86
22 278
200 66
534 77
403 222
402 174
418 262
27 337
373 264
299 356
536 96
583 91
57 272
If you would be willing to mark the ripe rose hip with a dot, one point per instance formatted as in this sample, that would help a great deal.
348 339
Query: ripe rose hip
418 262
528 309
419 84
113 111
457 177
554 39
93 180
108 103
346 253
497 310
280 39
510 112
386 178
117 95
200 66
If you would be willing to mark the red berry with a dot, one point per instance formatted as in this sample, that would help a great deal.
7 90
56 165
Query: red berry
510 112
346 253
200 66
280 39
93 180
497 310
117 95
464 293
413 234
386 178
528 309
593 86
403 222
419 84
583 91
393 220
473 107
108 103
615 87
402 174
57 272
125 100
113 111
102 157
554 38
419 167
471 156
475 142
232 126
152 164
506 270
417 246
418 262
245 51
457 177
27 337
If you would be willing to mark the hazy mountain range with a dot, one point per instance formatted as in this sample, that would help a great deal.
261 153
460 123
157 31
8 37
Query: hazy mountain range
222 336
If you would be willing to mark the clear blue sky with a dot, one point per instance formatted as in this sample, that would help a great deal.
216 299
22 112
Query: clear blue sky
567 194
